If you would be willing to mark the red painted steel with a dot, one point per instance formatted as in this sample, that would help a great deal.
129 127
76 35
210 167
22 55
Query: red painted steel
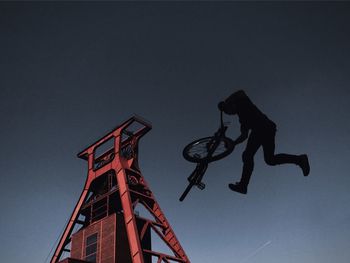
122 160
70 260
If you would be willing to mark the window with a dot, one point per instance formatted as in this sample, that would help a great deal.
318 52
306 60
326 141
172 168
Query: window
91 248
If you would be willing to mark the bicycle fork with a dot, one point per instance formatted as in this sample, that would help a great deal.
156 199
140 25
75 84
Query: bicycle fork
195 179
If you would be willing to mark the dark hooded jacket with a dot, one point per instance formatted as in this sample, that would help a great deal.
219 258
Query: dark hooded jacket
250 117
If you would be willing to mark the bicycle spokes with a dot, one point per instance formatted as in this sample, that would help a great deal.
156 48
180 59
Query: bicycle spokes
207 148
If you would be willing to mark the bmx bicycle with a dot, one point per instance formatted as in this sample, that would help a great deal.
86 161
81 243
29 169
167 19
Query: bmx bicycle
206 150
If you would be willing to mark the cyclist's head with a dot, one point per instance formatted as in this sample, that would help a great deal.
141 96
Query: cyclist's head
236 97
231 104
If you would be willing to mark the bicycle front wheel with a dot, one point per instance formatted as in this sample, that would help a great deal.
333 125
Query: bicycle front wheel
208 149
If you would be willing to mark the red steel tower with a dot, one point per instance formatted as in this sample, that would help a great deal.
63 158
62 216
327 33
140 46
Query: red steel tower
104 226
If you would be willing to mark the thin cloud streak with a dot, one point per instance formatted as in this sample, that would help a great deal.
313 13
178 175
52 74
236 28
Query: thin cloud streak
256 251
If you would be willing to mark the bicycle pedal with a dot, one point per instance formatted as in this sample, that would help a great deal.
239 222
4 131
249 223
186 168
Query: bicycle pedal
201 186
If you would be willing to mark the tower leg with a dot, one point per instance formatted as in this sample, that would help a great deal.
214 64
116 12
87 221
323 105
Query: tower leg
129 218
69 228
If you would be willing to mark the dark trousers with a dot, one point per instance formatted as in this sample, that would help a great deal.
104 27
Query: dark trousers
266 139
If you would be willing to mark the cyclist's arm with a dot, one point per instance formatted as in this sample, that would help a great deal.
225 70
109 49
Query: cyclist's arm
243 136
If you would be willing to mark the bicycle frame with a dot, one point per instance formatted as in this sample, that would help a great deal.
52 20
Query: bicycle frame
197 175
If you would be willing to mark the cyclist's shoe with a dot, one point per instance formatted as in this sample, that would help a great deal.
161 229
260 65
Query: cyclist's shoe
304 164
238 187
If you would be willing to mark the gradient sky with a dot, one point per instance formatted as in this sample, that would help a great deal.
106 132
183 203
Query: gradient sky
70 72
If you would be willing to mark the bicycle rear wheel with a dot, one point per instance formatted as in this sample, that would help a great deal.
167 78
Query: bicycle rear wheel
208 149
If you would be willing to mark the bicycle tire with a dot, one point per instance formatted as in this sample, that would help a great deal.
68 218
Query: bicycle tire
197 151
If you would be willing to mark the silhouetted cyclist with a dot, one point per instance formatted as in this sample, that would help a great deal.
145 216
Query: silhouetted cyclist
262 133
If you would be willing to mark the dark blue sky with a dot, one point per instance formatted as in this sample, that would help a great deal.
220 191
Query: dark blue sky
72 71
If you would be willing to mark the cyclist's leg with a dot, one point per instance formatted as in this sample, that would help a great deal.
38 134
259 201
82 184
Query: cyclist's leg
269 152
253 144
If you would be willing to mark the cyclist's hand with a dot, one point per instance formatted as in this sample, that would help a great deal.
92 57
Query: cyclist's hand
227 145
221 105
